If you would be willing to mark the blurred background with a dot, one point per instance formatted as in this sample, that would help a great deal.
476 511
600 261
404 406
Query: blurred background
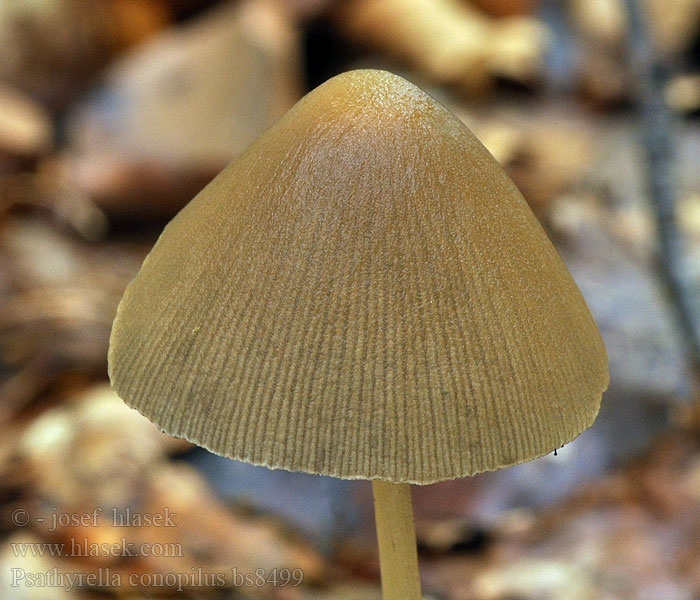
114 113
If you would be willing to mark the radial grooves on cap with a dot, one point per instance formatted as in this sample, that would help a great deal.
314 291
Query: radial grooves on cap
362 294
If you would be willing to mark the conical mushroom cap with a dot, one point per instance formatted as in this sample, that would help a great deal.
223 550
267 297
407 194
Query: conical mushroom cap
364 293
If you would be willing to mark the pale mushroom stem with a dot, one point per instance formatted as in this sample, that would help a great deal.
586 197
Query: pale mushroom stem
398 558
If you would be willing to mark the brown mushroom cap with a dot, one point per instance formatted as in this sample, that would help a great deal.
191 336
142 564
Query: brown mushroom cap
364 294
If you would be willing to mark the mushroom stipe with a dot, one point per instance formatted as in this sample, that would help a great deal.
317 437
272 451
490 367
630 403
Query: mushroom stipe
364 294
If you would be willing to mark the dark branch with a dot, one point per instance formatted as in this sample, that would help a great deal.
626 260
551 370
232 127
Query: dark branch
656 125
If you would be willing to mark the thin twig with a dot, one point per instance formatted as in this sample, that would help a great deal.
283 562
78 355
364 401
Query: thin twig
656 125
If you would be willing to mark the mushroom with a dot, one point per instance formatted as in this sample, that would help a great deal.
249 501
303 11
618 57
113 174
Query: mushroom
363 294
